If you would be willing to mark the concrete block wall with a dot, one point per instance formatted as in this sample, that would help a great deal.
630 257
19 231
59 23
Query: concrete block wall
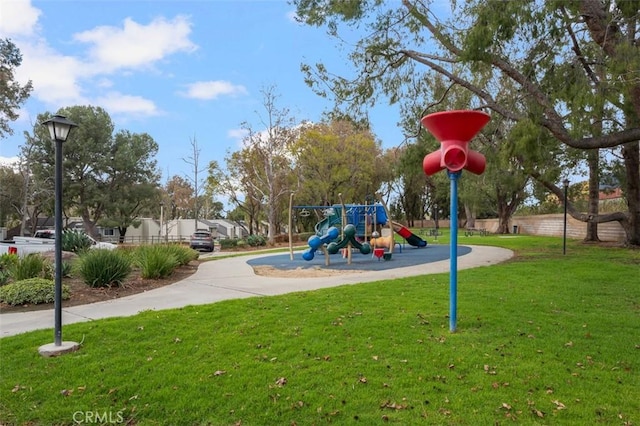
553 225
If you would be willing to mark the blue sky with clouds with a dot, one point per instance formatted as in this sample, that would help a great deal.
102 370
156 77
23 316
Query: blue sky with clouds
173 69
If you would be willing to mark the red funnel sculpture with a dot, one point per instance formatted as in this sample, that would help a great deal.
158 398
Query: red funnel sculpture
454 130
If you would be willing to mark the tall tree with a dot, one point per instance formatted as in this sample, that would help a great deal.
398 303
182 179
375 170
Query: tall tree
235 183
132 179
99 169
269 167
540 46
179 198
12 94
338 157
11 196
37 199
196 179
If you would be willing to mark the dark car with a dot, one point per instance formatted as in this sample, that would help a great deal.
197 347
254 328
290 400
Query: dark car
201 240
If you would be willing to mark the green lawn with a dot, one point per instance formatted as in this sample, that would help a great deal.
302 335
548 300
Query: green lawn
542 339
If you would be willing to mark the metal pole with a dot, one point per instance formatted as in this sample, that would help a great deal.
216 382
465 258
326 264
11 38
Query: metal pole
453 253
58 246
161 220
291 225
564 232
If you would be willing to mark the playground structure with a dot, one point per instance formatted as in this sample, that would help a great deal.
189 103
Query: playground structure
360 226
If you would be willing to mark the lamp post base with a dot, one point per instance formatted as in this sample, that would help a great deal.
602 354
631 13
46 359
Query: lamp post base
51 350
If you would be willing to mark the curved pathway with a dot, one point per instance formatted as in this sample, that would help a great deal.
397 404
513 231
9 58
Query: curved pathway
233 278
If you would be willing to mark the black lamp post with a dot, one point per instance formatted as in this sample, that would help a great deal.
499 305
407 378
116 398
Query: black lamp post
59 128
564 237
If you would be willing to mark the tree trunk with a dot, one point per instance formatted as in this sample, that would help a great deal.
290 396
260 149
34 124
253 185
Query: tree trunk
470 215
505 210
631 155
25 197
89 226
593 159
122 232
503 220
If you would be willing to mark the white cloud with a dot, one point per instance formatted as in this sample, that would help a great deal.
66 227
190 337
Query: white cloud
9 161
117 103
54 76
209 90
238 135
135 45
18 18
60 79
104 83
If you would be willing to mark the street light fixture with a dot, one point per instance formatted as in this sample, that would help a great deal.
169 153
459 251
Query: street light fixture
564 232
59 128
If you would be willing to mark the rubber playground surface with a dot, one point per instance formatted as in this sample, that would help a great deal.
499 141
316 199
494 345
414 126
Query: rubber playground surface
409 256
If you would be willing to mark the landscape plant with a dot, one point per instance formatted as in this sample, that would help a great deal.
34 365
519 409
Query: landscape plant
183 254
155 261
31 266
256 240
543 338
104 268
6 263
75 241
228 243
31 291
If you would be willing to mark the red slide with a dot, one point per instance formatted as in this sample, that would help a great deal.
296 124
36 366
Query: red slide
411 238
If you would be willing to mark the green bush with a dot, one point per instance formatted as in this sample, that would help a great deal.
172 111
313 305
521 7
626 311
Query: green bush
6 263
31 291
104 268
33 265
184 254
75 241
67 269
256 240
228 244
156 261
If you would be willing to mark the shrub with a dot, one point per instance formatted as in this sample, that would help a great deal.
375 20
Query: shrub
6 263
33 291
104 268
256 240
4 276
75 241
156 261
304 236
33 265
67 269
228 244
182 253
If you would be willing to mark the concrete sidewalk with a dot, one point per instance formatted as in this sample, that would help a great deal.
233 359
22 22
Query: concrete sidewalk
230 278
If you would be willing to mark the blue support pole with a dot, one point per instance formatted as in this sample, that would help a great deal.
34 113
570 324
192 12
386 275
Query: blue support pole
453 253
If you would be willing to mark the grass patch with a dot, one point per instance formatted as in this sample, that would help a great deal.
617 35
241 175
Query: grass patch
542 339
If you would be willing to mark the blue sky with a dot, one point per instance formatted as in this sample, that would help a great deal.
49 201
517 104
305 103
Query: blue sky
172 69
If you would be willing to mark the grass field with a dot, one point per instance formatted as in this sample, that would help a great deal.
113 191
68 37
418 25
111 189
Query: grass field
542 339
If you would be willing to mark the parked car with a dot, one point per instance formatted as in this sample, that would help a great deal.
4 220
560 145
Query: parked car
50 234
201 240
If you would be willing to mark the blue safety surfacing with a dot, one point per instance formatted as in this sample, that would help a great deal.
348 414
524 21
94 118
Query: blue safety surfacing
410 256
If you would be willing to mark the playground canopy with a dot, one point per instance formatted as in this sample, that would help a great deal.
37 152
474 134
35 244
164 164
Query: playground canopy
358 215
